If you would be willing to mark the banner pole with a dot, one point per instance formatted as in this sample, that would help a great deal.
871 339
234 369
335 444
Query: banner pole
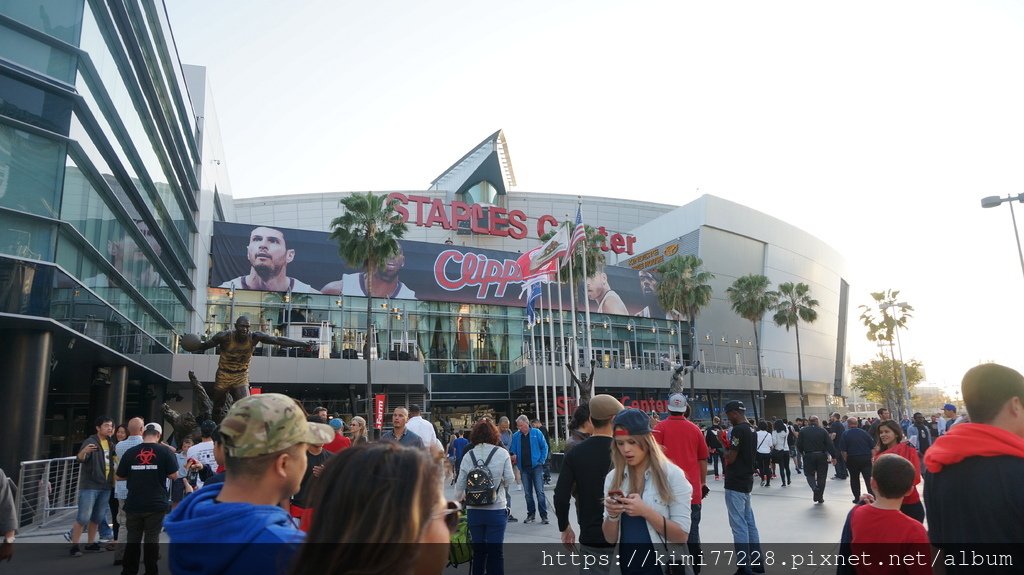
544 359
561 337
572 310
586 298
533 360
554 379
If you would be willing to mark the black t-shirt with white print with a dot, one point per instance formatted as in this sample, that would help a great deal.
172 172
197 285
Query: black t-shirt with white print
739 475
146 467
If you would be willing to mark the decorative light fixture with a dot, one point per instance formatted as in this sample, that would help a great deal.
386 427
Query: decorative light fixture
338 302
672 331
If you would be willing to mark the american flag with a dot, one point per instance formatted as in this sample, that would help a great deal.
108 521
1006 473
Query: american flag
579 234
531 313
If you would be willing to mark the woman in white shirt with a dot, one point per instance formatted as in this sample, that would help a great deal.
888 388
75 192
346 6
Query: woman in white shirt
780 451
647 497
763 441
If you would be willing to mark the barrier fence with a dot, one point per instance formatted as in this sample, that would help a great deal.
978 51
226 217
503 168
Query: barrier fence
46 488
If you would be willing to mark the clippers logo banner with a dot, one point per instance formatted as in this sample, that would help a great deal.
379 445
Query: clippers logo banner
264 258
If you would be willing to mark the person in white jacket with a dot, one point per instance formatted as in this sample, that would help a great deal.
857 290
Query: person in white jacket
647 496
487 522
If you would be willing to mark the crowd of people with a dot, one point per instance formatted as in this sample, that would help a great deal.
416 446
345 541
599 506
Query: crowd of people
273 489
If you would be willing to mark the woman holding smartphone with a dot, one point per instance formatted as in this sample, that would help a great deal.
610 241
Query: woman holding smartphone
648 501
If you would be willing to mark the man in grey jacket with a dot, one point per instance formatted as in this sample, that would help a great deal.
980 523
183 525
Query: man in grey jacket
95 481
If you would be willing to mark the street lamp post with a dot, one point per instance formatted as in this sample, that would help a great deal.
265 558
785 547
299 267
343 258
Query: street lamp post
993 201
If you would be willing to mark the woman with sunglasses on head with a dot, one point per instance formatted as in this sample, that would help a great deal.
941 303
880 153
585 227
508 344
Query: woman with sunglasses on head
486 521
890 440
357 425
648 497
380 509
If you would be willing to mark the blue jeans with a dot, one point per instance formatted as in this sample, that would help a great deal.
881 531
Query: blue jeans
487 532
93 506
533 480
744 530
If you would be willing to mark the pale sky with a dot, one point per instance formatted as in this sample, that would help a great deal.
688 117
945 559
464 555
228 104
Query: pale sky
875 126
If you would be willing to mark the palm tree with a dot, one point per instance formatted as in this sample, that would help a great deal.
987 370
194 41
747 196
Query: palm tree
796 305
751 299
886 328
594 255
684 290
367 235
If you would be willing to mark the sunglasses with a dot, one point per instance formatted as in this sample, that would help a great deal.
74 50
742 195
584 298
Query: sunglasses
452 514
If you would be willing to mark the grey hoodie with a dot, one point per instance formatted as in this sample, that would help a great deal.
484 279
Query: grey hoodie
92 475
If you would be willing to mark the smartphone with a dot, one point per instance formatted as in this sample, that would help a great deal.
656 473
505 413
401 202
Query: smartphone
616 495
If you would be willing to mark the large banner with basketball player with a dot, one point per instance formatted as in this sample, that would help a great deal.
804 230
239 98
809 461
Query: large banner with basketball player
249 257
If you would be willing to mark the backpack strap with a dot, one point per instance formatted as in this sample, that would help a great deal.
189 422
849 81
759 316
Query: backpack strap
472 456
487 462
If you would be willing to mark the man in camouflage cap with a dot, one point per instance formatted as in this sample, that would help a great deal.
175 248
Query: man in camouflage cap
264 438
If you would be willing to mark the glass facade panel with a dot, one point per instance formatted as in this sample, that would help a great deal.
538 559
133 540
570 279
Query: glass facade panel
34 106
38 56
58 18
25 237
482 193
171 51
30 171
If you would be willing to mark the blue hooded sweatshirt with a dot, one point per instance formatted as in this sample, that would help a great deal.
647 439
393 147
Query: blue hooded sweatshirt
229 538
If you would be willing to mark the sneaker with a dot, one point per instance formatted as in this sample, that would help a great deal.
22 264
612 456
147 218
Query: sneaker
529 519
75 551
544 521
717 478
67 536
93 548
512 519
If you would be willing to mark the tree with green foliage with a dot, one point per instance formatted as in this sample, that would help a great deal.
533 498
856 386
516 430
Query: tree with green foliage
751 298
683 289
883 326
875 380
795 305
367 235
593 252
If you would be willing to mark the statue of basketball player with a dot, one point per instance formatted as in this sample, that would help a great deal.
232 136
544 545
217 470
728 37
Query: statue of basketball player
236 347
585 383
185 424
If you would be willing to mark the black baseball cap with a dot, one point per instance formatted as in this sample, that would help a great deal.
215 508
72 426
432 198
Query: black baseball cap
632 422
734 406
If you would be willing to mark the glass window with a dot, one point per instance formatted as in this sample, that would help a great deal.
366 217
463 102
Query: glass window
38 56
30 171
59 18
482 193
25 237
34 106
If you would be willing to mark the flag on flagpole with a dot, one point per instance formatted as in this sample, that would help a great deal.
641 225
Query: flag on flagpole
531 313
579 233
540 261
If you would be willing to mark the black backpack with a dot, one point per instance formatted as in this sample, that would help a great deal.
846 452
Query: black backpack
480 487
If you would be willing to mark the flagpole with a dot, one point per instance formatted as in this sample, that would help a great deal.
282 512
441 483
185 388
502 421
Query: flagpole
543 358
572 310
561 337
554 379
586 298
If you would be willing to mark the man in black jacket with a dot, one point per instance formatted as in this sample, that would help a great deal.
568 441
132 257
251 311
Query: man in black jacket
583 473
816 446
972 489
855 446
95 481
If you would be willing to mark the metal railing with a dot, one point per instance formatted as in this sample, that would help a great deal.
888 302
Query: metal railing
46 488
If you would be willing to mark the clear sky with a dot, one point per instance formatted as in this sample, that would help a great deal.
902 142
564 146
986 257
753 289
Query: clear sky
876 126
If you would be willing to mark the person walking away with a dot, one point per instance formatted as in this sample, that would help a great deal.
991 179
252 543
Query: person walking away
855 446
714 442
684 445
835 431
582 476
647 501
890 440
763 439
530 452
145 469
134 428
877 531
547 440
579 427
780 451
798 424
816 446
340 441
480 483
506 442
739 482
920 436
239 527
974 471
95 481
458 453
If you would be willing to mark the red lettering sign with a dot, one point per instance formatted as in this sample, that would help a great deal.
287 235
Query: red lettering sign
475 270
496 222
380 400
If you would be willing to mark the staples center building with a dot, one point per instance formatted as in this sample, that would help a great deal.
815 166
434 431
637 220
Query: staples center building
449 330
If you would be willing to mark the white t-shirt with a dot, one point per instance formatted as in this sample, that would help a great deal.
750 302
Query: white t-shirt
203 453
763 442
424 429
294 285
352 284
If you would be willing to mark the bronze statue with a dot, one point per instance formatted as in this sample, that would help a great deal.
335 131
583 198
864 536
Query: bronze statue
236 347
678 382
585 384
185 424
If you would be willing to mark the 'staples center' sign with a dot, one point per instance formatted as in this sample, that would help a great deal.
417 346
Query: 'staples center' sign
426 212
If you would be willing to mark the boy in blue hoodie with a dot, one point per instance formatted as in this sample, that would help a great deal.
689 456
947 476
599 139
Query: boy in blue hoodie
239 526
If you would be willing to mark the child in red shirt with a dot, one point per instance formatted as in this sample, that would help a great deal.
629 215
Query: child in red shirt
879 539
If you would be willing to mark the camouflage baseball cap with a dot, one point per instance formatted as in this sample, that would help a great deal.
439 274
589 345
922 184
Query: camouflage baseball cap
268 423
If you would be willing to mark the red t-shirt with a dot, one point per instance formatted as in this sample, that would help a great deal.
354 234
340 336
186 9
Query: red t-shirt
885 535
908 452
684 445
340 442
